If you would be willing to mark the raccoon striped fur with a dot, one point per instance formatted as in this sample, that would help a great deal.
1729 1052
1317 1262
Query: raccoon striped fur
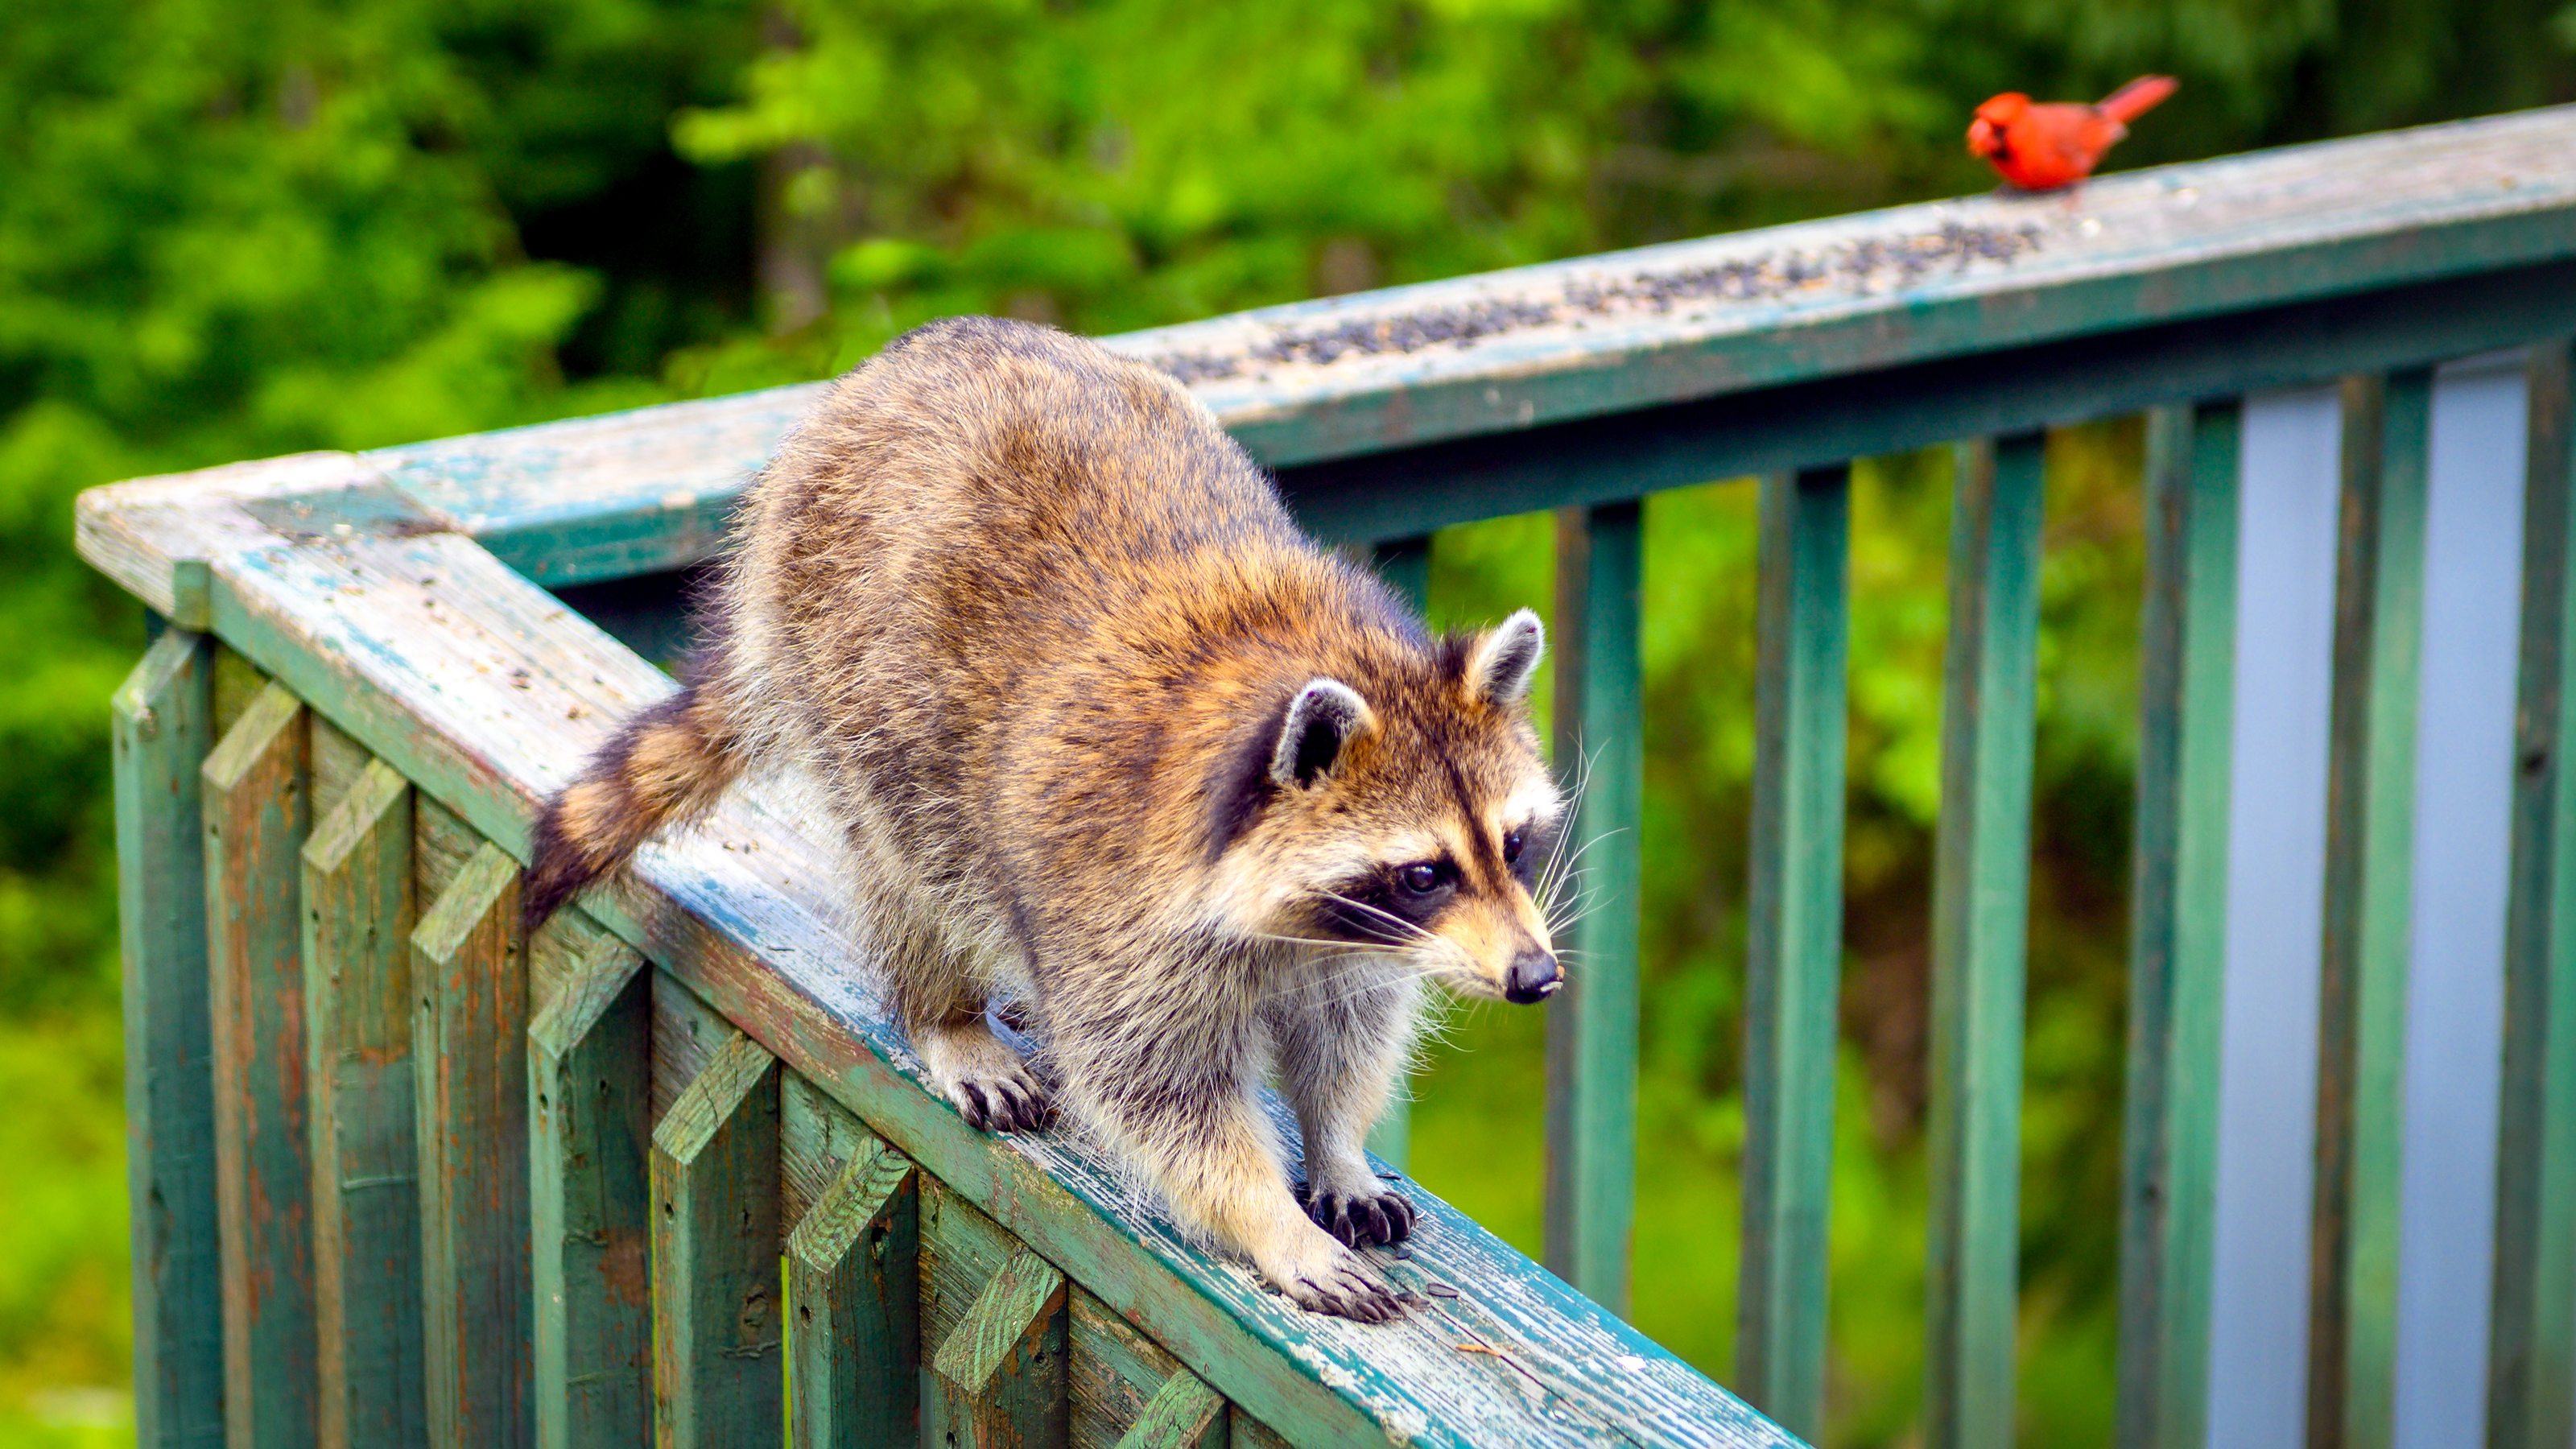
1110 742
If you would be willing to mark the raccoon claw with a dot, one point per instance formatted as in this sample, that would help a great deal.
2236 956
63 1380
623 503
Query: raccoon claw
999 1104
1384 1218
1343 1290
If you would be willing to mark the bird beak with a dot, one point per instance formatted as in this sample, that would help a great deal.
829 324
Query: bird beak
1983 137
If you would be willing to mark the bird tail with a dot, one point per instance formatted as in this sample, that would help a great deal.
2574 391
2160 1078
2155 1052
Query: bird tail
2137 97
668 766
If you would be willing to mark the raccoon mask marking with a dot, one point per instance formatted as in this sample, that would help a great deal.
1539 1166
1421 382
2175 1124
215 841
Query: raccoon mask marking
1118 746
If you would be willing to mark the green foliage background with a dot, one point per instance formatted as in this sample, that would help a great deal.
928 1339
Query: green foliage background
232 229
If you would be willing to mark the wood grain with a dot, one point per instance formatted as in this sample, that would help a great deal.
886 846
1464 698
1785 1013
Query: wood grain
2369 875
853 1284
2178 926
718 1325
1000 1371
162 727
358 918
257 797
590 1191
1980 935
470 1037
1794 944
2531 1355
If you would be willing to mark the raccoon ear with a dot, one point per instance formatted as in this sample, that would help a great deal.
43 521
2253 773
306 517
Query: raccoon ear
1321 719
1504 662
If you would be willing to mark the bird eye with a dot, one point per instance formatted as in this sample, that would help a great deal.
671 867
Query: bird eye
1512 844
1422 877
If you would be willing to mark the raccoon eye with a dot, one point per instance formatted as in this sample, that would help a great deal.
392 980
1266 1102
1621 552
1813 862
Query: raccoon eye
1512 844
1422 877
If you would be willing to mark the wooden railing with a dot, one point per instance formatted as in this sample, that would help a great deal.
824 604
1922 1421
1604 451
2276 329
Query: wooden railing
399 1174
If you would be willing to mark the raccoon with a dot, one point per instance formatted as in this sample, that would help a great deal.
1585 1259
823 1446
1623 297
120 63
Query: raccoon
1111 746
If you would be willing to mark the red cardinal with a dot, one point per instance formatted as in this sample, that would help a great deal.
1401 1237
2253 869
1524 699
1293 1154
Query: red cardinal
2042 147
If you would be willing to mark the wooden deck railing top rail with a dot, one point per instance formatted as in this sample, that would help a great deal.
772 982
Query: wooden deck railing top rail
1999 278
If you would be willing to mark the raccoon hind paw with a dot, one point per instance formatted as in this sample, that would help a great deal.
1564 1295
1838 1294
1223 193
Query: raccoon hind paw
1341 1286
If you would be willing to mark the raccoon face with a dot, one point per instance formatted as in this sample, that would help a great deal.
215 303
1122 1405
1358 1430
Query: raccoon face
1408 817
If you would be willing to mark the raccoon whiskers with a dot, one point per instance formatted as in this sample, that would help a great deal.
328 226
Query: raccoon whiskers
1390 917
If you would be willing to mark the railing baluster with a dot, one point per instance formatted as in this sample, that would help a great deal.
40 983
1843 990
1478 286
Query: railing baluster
1794 943
470 1099
2370 800
1981 929
1592 1023
257 797
717 1331
1405 563
358 919
589 1194
1183 1414
2178 954
2531 1352
1001 1371
853 1281
163 729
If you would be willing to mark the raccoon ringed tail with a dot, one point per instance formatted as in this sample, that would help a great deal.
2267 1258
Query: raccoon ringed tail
666 767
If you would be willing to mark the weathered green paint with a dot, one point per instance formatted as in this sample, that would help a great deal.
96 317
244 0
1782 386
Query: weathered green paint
257 801
1592 1022
1980 934
163 727
470 1099
1794 945
1812 423
2369 875
366 1215
2531 1342
717 1325
1183 1414
854 1307
1405 564
589 1201
1248 1432
2359 221
1112 1372
2531 1400
2178 925
1001 1372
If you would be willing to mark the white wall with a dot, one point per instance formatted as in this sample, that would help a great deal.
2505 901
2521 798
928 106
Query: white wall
2267 1096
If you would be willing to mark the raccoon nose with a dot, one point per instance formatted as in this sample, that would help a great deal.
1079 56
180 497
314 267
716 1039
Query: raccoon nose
1534 977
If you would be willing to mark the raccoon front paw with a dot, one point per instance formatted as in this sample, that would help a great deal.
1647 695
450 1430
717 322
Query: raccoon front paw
1375 1216
1334 1280
1011 1102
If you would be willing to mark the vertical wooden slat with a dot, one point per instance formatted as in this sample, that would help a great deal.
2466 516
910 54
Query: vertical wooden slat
470 1037
589 1200
257 799
717 1367
366 1219
163 729
1183 1414
2531 1353
1980 934
1111 1374
1405 563
2370 800
2178 925
1592 1024
1001 1371
854 1305
1793 951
